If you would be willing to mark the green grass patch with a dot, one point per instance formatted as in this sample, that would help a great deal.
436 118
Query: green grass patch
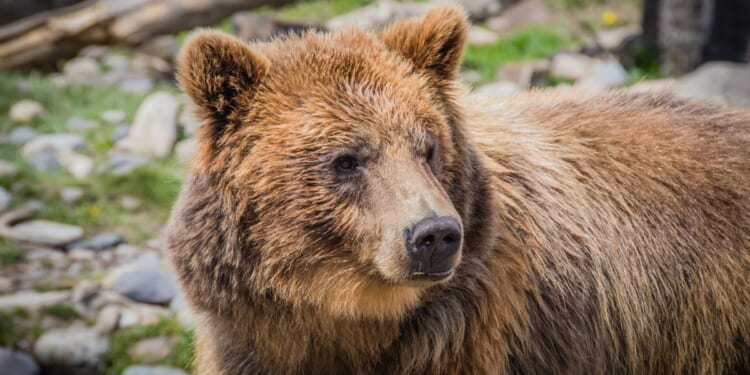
318 11
8 333
10 253
63 311
575 4
181 356
527 44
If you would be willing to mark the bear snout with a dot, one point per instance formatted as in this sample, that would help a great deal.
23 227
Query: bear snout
434 246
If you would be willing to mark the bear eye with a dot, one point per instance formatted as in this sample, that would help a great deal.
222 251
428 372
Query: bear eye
429 154
345 164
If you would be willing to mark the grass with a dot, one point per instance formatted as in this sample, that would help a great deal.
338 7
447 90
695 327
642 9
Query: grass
63 311
181 355
10 253
528 44
575 4
156 185
318 11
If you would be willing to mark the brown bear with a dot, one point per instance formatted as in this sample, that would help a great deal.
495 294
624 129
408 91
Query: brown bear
351 210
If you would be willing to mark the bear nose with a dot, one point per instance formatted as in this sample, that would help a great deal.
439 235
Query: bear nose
433 244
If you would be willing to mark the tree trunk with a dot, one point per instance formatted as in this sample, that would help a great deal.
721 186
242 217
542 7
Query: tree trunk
46 37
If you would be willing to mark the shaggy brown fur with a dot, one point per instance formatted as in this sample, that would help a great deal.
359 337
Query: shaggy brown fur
602 234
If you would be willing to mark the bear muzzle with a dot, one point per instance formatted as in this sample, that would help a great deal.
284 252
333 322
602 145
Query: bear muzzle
434 247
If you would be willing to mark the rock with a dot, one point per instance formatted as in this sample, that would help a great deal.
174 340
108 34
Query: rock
180 307
99 242
185 150
654 85
24 111
152 370
107 320
7 168
94 51
605 74
71 347
6 285
138 314
481 36
71 194
136 85
500 89
89 297
45 161
44 232
378 14
114 61
480 10
79 125
525 74
5 199
154 129
522 14
32 301
21 135
152 349
17 363
81 255
120 133
113 116
252 26
121 163
570 65
164 47
129 203
147 284
53 142
612 39
470 76
81 70
78 165
720 82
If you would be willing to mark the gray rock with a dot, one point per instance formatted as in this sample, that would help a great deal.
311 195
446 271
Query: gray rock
604 74
570 65
94 51
136 85
44 232
71 194
146 284
522 14
188 118
17 363
185 150
181 308
164 47
525 74
152 370
720 82
481 36
71 347
5 199
24 111
378 14
21 135
45 161
79 124
152 349
120 133
53 142
78 165
7 168
121 163
154 129
612 39
115 61
81 70
129 203
32 301
99 242
6 285
113 116
107 320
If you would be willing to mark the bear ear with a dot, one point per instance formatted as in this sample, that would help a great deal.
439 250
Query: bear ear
433 43
220 73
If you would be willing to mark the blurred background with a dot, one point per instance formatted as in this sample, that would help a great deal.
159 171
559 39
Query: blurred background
95 138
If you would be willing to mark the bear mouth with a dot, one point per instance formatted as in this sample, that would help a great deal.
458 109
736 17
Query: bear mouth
431 276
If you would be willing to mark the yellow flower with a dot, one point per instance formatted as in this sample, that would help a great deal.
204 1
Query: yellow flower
609 18
94 211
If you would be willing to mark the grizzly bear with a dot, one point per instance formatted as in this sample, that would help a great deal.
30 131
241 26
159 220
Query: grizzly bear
351 211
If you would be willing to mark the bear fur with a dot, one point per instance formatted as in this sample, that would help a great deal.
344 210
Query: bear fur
602 233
